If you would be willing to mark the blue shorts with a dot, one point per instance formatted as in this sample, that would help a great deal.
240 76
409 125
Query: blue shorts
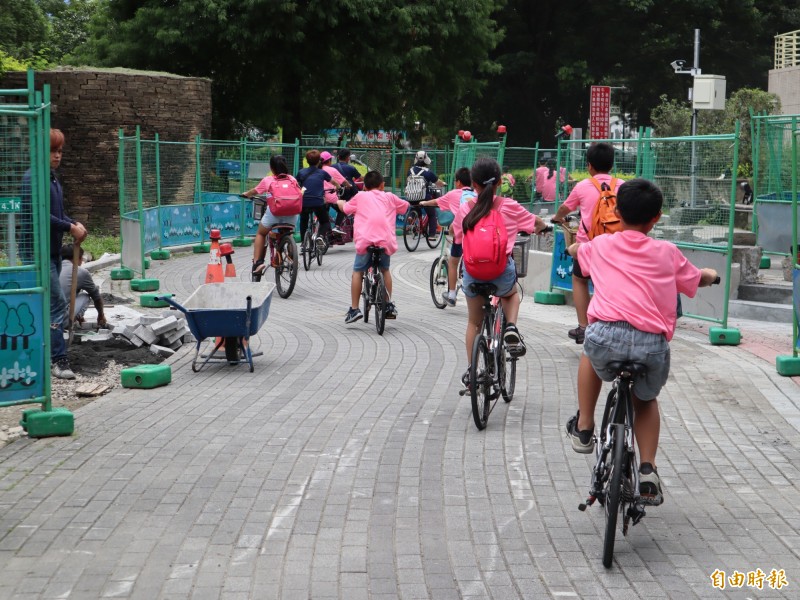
456 250
504 283
620 341
363 261
269 220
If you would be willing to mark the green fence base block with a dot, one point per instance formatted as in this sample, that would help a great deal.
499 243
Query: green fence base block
144 285
241 242
146 376
724 336
121 273
146 263
150 301
787 365
297 238
201 249
160 255
40 423
549 298
398 231
765 263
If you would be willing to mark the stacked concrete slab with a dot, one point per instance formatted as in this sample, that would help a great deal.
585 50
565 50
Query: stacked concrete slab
164 333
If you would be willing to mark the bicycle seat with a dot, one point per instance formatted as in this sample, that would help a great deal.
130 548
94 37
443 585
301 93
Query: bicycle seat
376 249
483 289
634 368
283 226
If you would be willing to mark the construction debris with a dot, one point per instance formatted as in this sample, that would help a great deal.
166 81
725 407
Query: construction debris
163 333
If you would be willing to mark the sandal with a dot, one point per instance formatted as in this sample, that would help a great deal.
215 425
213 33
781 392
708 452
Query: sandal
258 269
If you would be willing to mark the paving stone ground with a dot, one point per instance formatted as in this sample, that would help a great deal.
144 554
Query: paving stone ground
347 466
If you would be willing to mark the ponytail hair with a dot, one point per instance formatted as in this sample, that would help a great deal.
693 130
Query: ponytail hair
278 164
485 173
551 165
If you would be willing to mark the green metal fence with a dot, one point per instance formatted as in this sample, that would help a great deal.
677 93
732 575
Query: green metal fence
25 246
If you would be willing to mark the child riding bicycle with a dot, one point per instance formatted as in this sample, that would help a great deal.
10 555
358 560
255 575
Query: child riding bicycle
486 179
374 225
450 203
279 168
313 179
632 319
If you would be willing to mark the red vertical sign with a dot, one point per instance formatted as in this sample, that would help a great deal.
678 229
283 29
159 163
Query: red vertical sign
600 112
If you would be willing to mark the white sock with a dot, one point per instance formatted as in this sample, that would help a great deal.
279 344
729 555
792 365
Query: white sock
452 294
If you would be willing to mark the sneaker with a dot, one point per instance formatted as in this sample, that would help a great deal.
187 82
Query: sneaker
650 485
448 300
337 231
513 341
390 311
322 246
61 369
465 379
582 441
353 315
577 334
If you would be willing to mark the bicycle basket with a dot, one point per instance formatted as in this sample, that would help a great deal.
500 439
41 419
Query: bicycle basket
522 247
259 206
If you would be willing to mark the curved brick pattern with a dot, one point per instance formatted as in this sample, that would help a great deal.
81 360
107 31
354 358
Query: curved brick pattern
346 466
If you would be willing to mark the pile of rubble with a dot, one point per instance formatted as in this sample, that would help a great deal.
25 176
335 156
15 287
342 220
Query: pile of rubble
163 333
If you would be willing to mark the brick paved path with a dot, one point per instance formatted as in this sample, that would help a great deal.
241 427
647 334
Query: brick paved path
348 467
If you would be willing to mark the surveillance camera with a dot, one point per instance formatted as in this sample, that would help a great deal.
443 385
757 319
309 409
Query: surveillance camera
677 64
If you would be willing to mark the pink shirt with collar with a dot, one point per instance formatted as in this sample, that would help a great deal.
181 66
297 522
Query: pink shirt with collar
637 280
452 199
263 185
375 218
330 191
541 174
584 196
548 188
515 216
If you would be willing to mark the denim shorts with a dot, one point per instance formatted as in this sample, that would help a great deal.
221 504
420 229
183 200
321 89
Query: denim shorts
619 341
504 283
456 250
363 261
269 220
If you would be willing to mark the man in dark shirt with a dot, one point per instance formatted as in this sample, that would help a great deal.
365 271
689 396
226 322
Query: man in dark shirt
421 163
313 179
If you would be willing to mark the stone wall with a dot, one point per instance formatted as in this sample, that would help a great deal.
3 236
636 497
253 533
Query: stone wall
786 84
90 107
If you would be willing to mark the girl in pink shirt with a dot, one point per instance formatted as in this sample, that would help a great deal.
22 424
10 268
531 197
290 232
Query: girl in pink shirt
548 184
485 180
373 225
631 319
331 197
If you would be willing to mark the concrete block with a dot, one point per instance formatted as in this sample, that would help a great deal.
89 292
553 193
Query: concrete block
146 334
169 337
120 330
136 341
164 325
149 319
100 337
188 338
161 350
176 344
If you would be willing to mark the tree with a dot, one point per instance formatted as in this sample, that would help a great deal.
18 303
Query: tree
69 25
23 28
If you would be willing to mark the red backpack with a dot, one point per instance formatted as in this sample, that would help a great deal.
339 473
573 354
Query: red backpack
485 246
285 197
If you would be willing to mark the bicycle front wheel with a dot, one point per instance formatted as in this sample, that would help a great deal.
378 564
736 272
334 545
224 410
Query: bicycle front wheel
480 382
286 272
411 231
381 300
613 492
439 281
307 250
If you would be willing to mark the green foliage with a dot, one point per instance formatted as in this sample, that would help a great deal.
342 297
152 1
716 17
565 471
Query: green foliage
99 243
23 28
671 118
69 25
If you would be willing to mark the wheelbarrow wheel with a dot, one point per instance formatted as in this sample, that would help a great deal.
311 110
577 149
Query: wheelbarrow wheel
232 350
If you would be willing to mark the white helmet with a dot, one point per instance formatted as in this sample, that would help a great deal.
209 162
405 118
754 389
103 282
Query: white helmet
423 157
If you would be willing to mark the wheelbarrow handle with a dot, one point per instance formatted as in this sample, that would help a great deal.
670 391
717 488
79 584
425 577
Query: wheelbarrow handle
168 299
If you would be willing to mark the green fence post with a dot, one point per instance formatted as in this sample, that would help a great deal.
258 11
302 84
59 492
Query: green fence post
201 247
242 241
122 272
44 226
549 296
142 284
161 253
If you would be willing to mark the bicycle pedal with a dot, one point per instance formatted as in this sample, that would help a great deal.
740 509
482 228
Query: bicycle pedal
463 392
584 505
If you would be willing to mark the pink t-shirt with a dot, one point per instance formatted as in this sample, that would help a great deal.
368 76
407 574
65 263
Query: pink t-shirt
452 199
515 216
584 196
548 188
375 217
263 185
541 174
330 190
637 280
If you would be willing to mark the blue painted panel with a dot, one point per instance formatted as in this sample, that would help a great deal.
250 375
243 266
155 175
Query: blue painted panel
22 345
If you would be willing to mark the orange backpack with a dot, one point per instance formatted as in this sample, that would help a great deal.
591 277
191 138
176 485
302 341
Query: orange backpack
604 219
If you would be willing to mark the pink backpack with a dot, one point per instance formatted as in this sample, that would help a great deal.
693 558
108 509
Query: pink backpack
285 197
484 247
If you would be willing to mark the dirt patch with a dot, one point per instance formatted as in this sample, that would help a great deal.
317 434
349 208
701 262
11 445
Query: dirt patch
93 362
111 299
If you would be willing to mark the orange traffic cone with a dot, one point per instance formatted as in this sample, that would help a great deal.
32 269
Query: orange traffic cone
226 250
214 270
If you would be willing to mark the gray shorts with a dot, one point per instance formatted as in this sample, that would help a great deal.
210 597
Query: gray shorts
619 341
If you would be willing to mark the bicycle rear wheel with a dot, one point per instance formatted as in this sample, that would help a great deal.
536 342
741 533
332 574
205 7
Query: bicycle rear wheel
366 291
381 300
437 239
411 231
286 271
480 382
613 492
307 250
439 281
320 248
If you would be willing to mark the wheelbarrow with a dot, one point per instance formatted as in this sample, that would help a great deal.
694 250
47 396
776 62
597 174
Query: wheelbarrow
230 312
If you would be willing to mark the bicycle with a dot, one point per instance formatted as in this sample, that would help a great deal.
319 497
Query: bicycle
373 291
615 475
282 253
492 369
416 223
439 281
313 245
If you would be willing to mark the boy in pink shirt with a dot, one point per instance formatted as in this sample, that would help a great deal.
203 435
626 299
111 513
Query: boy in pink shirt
600 157
374 225
632 319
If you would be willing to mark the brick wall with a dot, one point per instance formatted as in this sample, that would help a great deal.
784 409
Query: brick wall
90 107
786 84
